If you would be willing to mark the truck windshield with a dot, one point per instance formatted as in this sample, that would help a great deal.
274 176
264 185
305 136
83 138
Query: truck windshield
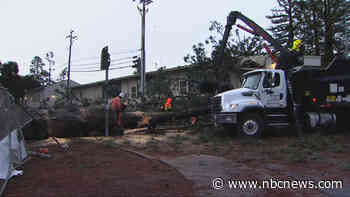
251 81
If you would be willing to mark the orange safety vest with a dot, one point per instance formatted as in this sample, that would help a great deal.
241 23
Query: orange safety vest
168 105
116 106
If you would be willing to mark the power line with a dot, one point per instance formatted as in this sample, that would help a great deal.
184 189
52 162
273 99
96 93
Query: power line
91 58
98 63
125 52
121 67
117 53
116 64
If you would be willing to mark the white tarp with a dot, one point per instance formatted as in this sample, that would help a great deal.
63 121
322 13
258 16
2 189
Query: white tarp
18 150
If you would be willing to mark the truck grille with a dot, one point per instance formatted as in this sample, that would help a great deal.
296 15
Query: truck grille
215 105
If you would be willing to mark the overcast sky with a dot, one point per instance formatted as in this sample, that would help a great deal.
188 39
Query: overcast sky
33 28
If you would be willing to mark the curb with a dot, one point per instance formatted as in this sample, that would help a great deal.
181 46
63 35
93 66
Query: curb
144 156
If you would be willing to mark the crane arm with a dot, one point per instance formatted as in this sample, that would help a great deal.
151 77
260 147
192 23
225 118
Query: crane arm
255 29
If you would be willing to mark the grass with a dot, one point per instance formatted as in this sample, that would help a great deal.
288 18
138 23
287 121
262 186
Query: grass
153 145
309 147
338 148
111 144
297 157
178 140
204 138
346 166
126 142
216 147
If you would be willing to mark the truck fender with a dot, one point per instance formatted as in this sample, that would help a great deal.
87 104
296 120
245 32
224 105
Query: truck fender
253 108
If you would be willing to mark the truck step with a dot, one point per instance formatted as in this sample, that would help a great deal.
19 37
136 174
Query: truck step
280 124
277 115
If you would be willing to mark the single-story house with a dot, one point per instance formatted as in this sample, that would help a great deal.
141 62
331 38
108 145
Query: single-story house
130 84
47 95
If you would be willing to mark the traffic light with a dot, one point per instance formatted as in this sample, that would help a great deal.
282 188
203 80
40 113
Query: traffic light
137 64
105 58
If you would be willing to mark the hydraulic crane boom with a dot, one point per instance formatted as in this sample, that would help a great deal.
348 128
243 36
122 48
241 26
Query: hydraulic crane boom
286 58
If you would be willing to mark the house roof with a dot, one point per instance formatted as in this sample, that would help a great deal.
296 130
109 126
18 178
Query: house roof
247 63
98 83
64 82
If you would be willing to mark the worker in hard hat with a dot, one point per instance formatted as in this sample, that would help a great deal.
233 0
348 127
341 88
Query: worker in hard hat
295 58
298 51
297 45
118 106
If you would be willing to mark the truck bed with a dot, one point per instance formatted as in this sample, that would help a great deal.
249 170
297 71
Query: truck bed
315 86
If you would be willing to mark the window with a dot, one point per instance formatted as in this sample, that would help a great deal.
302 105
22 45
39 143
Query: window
183 87
133 92
269 82
251 81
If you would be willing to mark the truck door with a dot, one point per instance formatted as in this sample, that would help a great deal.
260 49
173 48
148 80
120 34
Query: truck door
273 93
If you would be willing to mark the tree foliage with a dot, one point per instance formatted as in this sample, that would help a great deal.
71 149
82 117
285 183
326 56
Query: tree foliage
212 77
16 84
283 19
160 85
38 71
319 23
63 74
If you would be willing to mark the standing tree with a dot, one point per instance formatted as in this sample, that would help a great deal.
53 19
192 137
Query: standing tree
205 55
283 18
38 71
332 14
62 76
13 82
310 26
10 79
317 22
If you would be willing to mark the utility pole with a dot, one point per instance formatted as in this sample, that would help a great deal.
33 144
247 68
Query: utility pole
143 58
71 37
143 10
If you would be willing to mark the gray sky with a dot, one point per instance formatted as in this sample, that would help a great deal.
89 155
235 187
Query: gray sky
33 28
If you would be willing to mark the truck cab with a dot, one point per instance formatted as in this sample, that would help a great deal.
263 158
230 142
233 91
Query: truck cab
261 101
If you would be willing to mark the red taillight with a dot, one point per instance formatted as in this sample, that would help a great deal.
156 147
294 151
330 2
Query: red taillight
314 100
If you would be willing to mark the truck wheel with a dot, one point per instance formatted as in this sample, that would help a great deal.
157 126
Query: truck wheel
250 125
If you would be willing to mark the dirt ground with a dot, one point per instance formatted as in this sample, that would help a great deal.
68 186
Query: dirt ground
195 153
90 169
99 166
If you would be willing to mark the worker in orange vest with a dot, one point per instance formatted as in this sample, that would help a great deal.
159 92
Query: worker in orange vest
168 106
119 106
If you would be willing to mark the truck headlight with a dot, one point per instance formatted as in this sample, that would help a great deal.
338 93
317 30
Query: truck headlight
233 106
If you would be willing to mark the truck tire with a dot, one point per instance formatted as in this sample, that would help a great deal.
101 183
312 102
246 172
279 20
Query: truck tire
250 125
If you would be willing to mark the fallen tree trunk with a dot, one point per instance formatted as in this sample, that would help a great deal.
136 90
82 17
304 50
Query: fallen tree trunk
90 121
168 116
